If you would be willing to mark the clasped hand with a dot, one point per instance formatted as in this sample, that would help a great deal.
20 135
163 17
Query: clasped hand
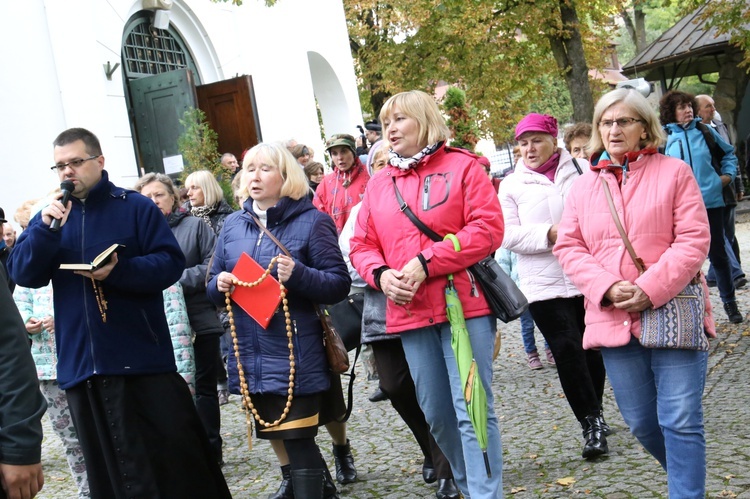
628 297
401 286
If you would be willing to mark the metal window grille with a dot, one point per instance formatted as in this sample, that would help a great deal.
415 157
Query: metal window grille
150 51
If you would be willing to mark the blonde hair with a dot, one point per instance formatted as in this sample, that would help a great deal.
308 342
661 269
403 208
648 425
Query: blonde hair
380 155
23 213
238 190
295 184
212 193
655 136
423 109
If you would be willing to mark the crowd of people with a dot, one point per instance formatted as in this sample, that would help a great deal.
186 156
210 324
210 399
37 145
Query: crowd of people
135 355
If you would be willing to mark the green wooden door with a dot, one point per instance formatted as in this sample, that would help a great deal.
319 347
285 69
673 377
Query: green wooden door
159 103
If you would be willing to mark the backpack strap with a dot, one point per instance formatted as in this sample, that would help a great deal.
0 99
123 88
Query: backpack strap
717 153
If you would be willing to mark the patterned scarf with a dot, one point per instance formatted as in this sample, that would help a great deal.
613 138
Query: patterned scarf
395 159
203 212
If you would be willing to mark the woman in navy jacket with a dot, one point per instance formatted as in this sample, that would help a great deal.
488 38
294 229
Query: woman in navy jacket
316 273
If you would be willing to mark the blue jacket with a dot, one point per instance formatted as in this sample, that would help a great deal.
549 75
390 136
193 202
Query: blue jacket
135 339
689 145
319 276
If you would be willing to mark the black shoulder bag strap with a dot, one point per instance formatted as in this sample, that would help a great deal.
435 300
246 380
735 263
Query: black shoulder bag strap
407 211
318 309
717 153
578 168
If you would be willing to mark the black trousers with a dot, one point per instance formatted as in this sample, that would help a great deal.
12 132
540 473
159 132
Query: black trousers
141 437
717 253
207 351
397 383
581 372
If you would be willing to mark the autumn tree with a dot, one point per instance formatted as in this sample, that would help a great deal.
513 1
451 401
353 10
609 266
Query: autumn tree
730 17
497 52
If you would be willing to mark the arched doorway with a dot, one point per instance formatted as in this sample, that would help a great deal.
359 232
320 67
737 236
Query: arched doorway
158 73
334 109
162 82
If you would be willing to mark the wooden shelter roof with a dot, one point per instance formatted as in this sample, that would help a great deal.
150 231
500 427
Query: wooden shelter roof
687 48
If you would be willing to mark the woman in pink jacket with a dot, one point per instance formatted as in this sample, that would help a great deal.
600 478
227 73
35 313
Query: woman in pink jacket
659 203
448 191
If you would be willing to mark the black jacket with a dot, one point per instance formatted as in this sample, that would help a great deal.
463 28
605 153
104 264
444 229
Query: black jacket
21 403
197 241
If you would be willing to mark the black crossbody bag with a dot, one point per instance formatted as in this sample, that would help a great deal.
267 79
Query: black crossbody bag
503 296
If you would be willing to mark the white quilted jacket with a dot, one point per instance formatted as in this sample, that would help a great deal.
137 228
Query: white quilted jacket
531 205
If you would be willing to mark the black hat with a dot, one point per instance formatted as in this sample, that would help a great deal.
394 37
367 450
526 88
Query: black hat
373 126
2 216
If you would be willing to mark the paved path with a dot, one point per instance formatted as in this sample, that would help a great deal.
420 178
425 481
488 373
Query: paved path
541 439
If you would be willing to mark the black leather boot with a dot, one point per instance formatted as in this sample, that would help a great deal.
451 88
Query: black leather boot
345 470
605 426
308 484
329 487
447 489
596 442
285 489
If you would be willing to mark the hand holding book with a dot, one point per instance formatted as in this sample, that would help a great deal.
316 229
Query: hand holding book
100 261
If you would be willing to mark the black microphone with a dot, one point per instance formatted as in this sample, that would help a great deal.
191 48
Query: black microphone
67 187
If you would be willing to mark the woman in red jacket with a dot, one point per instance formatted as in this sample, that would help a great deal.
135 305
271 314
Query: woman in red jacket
448 191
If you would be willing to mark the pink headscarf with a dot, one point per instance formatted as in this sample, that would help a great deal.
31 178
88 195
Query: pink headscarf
534 122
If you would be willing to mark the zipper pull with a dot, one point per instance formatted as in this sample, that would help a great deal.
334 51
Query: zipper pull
426 194
473 283
260 236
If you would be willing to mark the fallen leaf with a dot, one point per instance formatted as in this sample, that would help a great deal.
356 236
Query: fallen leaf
569 480
516 490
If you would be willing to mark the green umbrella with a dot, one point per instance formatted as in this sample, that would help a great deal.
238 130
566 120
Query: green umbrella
474 392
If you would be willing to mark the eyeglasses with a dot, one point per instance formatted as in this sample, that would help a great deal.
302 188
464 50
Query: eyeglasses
621 122
73 164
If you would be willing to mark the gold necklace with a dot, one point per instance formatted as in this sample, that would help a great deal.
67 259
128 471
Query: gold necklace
247 403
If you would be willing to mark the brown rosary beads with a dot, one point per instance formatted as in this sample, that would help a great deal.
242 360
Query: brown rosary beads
247 403
100 301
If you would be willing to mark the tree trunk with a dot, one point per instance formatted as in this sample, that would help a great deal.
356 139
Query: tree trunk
636 27
567 49
640 28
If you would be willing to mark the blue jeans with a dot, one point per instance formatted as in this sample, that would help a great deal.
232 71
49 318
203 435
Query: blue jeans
527 333
433 367
659 395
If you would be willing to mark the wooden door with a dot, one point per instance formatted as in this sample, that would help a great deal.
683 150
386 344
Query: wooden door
159 103
232 112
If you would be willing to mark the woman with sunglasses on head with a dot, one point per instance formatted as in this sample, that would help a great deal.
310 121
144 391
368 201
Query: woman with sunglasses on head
532 199
661 209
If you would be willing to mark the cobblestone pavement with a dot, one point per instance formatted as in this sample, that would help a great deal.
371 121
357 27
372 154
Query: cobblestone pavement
541 439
